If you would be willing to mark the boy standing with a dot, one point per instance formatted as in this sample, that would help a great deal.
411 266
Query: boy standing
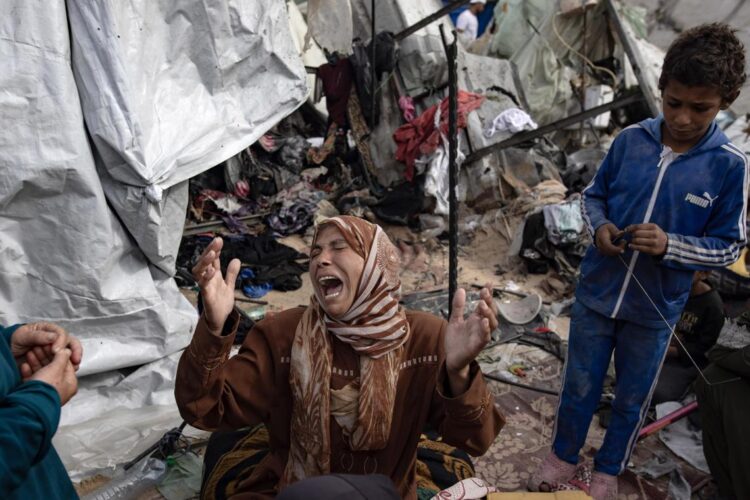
668 199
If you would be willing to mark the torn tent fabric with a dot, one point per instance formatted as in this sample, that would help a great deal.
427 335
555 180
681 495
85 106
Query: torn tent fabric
420 137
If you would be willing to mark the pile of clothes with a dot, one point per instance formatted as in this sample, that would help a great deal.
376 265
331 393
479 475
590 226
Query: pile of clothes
266 264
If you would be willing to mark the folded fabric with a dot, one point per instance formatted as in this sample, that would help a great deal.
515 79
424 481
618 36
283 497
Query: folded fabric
420 137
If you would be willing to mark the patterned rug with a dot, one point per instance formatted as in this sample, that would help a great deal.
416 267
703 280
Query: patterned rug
525 440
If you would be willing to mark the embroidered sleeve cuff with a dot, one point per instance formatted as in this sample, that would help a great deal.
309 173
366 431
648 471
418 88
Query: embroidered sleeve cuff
470 405
210 350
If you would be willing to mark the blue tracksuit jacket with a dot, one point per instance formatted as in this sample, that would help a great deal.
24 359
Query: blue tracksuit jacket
699 198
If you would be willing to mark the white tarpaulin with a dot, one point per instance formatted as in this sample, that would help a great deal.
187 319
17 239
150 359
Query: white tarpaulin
167 89
170 88
330 25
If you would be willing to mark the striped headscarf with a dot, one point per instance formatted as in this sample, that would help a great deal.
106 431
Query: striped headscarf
375 327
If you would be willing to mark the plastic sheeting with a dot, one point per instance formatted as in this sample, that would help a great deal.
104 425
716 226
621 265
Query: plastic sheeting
311 54
66 256
170 89
114 417
564 222
422 64
682 438
330 24
514 25
737 133
547 47
545 62
166 91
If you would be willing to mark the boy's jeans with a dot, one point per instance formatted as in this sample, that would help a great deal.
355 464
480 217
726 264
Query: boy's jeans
639 353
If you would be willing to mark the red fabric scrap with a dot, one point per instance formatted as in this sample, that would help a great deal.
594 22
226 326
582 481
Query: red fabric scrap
419 137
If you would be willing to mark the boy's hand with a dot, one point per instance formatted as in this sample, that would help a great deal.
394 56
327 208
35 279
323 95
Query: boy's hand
648 238
605 237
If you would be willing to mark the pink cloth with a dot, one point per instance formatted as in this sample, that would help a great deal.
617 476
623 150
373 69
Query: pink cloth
406 104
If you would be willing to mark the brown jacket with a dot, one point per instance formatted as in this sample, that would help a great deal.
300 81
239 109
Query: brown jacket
214 392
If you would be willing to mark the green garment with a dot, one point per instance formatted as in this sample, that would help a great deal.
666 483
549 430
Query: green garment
29 413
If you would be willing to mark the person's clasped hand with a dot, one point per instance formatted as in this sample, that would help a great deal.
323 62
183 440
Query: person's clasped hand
34 346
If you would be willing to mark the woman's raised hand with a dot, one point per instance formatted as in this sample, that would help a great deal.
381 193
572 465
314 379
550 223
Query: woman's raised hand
217 291
466 337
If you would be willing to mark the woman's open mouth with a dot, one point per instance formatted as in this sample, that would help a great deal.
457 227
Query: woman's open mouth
331 286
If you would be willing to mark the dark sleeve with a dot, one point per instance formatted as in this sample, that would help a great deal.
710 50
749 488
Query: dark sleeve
733 360
29 415
216 392
710 322
7 333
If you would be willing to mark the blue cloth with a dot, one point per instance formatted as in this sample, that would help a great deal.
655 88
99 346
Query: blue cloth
698 198
639 353
29 414
253 291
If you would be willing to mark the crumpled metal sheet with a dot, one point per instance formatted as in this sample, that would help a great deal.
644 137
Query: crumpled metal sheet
172 88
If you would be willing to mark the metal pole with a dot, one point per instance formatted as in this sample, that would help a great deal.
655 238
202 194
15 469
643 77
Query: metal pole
373 83
451 51
530 135
583 68
636 61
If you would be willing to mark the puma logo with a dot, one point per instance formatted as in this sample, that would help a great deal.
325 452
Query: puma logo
710 200
704 201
